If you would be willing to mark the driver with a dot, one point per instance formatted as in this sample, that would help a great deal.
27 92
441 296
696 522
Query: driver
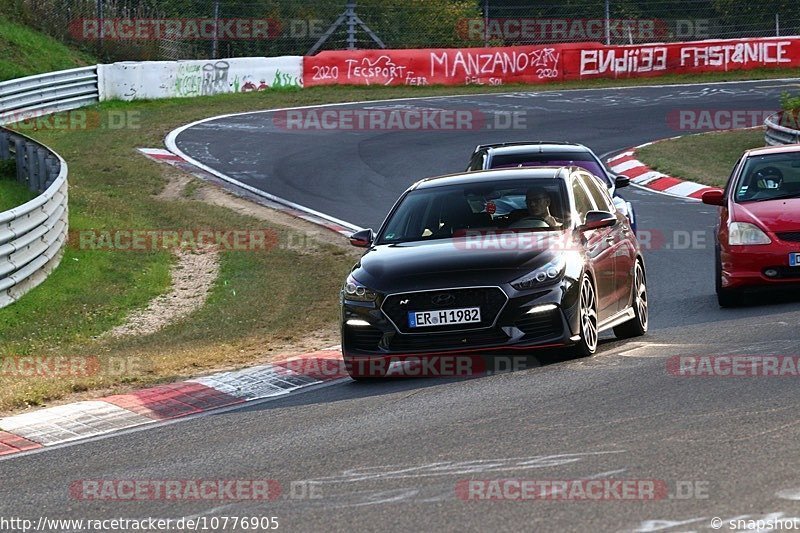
538 202
768 178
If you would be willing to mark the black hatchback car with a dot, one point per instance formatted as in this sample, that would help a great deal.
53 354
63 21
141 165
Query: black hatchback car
490 262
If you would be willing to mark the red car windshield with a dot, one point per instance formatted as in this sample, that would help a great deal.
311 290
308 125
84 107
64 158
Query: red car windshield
769 177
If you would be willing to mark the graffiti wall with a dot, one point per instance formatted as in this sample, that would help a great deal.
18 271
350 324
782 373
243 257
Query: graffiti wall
446 66
701 56
169 79
545 63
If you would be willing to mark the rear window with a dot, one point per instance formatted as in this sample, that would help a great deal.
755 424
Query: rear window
552 159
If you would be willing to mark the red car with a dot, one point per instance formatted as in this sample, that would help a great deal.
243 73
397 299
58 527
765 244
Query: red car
758 236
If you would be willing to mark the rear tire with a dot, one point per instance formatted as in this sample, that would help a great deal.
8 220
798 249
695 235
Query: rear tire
726 297
587 310
637 326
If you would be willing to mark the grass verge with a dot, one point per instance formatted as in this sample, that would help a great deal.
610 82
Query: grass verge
25 51
705 158
262 302
12 193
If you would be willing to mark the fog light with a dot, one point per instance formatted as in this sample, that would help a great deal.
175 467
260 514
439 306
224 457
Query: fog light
771 272
542 308
357 322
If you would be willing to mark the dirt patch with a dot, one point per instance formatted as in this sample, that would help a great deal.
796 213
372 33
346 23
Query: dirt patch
193 277
194 273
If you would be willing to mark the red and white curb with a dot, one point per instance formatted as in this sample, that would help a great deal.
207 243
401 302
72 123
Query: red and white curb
251 193
640 174
87 419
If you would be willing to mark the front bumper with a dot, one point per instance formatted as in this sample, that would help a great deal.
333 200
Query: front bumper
746 266
511 331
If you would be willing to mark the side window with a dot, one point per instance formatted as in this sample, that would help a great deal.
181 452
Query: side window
598 192
730 181
582 201
477 161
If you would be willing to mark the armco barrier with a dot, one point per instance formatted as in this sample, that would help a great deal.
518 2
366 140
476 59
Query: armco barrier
777 131
545 63
33 235
48 93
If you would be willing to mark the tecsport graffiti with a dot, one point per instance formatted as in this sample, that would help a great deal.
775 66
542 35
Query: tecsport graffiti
491 66
544 63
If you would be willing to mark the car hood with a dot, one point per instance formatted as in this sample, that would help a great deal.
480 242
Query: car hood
448 262
774 215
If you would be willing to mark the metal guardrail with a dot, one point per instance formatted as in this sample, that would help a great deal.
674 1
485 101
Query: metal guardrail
776 135
33 235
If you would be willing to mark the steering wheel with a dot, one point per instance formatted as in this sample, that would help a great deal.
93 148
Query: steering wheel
529 223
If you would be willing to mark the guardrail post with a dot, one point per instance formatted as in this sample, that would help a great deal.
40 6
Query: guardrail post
19 152
41 169
52 169
33 175
4 151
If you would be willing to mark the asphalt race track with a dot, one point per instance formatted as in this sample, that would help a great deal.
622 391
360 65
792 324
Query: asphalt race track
388 456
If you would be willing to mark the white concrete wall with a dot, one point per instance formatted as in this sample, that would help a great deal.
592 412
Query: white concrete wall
168 79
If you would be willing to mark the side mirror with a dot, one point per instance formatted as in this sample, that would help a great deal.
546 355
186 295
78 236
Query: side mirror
362 239
714 197
621 181
598 219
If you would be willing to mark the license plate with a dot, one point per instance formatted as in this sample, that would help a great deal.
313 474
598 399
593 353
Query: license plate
794 259
444 317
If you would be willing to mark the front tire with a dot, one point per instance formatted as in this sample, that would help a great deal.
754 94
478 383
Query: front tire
587 346
637 326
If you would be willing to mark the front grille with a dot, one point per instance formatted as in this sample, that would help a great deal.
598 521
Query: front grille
541 325
446 341
490 299
363 338
789 236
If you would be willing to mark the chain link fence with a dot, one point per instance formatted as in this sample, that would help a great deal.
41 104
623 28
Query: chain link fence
119 30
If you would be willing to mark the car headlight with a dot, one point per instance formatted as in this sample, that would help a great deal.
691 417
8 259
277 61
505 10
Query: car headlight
353 290
744 233
544 274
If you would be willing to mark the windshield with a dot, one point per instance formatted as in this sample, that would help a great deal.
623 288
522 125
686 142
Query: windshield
450 211
769 177
551 159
